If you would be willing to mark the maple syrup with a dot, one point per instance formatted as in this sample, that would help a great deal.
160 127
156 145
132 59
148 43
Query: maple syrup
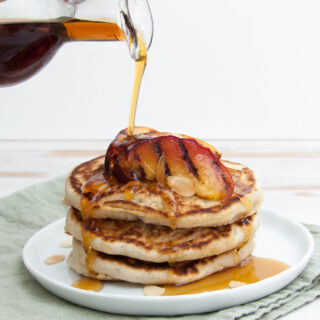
236 256
26 47
247 203
254 270
131 189
88 284
92 191
141 63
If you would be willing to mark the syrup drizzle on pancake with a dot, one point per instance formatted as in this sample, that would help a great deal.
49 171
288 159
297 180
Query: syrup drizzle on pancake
92 191
131 189
247 204
247 222
236 257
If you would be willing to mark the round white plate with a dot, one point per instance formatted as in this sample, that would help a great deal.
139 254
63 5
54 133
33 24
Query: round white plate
278 238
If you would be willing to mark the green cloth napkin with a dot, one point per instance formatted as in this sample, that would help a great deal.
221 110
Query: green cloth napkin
21 297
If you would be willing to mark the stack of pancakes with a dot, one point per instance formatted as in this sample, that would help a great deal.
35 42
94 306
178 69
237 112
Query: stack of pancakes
143 239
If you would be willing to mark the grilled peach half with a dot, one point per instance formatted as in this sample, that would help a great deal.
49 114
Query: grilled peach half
184 164
154 133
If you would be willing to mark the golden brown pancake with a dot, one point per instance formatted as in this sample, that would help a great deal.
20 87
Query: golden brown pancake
160 243
160 205
132 270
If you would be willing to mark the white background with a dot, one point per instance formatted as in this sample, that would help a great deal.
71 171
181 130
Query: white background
217 70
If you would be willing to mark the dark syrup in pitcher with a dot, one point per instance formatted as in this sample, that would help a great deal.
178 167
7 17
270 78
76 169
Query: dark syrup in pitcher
26 47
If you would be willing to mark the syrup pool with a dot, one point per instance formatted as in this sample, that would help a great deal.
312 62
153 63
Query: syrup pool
254 270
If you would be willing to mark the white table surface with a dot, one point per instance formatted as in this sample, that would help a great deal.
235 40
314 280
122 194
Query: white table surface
288 170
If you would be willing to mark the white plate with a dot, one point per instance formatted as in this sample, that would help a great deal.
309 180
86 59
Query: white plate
278 237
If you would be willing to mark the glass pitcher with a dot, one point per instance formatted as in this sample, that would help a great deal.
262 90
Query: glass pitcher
31 31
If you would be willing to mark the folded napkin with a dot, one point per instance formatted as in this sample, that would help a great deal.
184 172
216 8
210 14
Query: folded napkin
21 297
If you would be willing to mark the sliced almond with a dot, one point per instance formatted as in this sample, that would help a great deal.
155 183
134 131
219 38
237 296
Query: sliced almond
236 284
153 291
66 243
66 203
234 166
161 170
54 259
182 185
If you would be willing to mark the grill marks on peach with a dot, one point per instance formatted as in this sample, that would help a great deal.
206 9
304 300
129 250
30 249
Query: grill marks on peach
173 156
157 149
186 158
215 181
162 164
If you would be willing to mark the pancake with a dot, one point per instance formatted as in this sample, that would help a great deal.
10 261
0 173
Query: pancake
156 243
155 204
137 271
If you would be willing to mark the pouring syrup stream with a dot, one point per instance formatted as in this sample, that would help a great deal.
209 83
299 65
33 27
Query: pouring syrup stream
141 63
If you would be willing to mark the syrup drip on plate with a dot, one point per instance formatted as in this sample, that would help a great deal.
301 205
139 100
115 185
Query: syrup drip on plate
254 270
88 284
